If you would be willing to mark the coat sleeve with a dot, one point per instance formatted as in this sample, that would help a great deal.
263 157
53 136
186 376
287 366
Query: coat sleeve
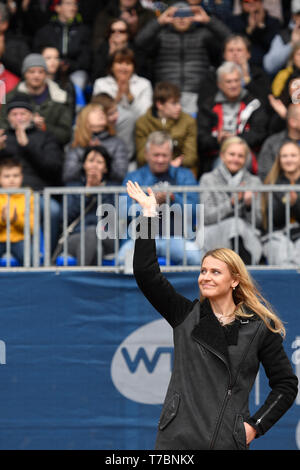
46 156
148 37
120 162
141 135
156 288
190 145
282 381
72 164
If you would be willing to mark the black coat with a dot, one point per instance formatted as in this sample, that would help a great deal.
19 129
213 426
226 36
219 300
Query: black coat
214 368
72 40
41 159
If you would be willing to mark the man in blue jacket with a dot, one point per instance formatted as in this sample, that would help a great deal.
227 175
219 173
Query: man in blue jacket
175 235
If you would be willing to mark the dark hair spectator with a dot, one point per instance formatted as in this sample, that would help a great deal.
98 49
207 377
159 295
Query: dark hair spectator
166 114
122 83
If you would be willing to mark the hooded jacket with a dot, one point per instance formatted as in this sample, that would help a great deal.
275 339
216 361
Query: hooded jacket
214 368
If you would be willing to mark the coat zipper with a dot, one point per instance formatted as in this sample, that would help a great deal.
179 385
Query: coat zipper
258 421
229 389
227 397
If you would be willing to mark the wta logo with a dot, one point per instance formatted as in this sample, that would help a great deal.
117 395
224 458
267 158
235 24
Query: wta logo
142 365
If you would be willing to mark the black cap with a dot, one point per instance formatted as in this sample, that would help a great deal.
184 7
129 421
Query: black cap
20 100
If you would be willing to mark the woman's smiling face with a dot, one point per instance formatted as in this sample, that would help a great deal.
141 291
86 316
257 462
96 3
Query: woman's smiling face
215 280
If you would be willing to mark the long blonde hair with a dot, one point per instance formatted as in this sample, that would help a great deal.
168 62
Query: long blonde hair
82 133
246 294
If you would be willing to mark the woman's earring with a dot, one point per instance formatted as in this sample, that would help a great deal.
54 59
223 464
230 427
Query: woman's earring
233 288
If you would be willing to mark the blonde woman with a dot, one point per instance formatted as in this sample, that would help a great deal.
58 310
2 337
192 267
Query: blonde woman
228 215
92 128
278 248
219 343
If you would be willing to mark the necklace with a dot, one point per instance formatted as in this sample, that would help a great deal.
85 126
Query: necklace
225 319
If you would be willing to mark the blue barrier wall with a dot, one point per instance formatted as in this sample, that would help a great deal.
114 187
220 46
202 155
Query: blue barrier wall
85 360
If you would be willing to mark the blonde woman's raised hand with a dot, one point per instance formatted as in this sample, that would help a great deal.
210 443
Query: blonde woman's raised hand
147 202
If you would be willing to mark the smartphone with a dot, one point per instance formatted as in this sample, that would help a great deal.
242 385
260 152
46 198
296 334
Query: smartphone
183 13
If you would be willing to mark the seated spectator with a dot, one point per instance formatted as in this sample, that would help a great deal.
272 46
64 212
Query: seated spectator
129 10
221 228
119 119
118 37
128 89
16 47
96 173
282 44
56 74
8 80
159 174
272 144
166 114
50 103
258 25
231 111
92 128
38 151
72 39
11 177
278 248
237 49
183 48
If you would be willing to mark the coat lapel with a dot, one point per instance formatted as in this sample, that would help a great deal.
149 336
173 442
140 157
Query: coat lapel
208 332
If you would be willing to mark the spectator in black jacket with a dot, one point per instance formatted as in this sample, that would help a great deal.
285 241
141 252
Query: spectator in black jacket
231 111
37 150
258 25
183 48
72 39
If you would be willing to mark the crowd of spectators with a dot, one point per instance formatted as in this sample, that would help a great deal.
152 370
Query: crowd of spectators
97 92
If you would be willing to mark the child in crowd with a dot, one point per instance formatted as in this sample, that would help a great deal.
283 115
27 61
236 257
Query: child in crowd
11 177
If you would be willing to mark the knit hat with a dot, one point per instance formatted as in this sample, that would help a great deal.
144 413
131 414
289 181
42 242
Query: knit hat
20 100
33 60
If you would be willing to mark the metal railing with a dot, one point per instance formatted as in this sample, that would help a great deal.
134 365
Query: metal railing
34 259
